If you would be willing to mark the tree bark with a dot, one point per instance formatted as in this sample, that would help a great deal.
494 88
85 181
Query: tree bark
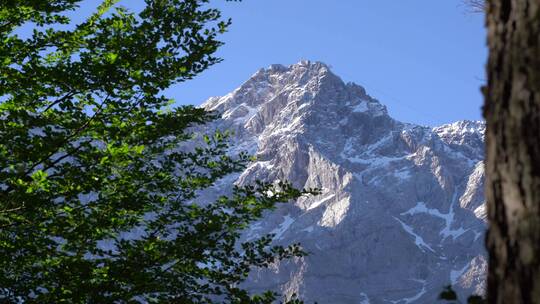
512 112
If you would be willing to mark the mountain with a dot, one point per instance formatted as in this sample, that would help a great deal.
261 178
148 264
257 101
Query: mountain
402 210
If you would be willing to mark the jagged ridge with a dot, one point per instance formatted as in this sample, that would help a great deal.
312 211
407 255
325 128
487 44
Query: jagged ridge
402 211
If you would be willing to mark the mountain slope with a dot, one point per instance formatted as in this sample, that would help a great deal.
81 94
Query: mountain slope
402 209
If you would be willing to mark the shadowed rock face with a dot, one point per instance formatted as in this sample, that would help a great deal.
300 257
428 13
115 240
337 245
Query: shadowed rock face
402 210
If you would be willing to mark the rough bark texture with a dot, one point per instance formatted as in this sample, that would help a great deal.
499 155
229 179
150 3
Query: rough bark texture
512 111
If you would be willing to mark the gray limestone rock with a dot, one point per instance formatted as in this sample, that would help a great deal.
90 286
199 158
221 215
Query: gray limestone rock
401 212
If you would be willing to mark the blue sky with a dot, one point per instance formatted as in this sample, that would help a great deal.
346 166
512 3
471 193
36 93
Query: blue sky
424 59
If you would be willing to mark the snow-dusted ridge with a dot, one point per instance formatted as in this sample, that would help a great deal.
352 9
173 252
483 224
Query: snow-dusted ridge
401 203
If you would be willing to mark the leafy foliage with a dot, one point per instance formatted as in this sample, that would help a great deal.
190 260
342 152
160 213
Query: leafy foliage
100 182
448 294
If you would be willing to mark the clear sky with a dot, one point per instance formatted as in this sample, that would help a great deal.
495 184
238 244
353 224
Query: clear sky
424 59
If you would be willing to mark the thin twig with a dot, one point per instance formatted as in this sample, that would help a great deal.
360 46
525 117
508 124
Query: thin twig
476 6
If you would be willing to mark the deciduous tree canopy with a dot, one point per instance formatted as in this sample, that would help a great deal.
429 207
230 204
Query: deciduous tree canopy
98 201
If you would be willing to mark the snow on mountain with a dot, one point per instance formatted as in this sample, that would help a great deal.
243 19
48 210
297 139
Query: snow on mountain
402 210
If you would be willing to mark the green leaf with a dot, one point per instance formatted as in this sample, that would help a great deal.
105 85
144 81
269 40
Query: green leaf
112 161
111 57
448 294
475 299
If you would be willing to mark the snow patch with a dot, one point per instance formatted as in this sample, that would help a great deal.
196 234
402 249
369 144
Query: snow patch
335 213
418 240
448 218
364 298
308 229
360 108
253 231
403 174
279 231
318 203
417 296
460 128
455 274
413 298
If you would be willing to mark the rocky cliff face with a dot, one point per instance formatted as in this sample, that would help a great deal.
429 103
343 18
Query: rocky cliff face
402 210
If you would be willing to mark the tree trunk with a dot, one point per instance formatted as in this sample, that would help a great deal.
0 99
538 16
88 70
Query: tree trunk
512 111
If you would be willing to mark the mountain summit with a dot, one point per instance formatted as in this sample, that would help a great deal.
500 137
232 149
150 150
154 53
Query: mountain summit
402 210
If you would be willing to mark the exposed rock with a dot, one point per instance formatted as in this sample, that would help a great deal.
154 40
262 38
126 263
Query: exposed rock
402 209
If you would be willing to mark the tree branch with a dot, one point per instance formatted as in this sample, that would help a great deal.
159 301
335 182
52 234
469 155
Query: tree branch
475 6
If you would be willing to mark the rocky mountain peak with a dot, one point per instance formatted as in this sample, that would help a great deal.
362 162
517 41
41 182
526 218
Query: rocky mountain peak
402 209
461 131
306 91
